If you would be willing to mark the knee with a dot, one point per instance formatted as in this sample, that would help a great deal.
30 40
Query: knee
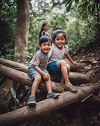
63 63
68 67
37 78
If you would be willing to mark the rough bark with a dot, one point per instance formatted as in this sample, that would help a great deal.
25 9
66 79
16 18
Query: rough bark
25 79
22 30
14 65
22 67
44 107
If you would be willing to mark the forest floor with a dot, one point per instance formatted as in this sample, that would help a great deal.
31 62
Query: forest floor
85 113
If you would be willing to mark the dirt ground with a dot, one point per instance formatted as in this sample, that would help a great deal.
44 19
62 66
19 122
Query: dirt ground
85 113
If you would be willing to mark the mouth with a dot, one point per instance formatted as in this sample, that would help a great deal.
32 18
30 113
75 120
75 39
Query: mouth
46 49
60 44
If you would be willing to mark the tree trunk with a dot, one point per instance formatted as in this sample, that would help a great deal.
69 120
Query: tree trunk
24 78
44 107
22 30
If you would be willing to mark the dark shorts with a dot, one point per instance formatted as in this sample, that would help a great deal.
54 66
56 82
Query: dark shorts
53 69
32 72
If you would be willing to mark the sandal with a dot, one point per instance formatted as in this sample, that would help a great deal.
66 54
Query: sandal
31 101
70 88
52 95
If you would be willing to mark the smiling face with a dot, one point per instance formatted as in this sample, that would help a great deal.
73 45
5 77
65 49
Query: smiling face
60 40
45 47
46 27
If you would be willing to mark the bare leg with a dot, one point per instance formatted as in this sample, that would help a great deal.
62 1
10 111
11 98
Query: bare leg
37 80
62 80
66 66
48 85
49 89
65 71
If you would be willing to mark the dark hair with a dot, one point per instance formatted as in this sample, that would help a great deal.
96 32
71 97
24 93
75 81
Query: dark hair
59 30
42 28
44 39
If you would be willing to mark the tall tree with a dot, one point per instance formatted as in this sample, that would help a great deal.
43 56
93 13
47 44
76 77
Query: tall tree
22 30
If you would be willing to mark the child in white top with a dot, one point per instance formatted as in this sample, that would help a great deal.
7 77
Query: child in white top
56 64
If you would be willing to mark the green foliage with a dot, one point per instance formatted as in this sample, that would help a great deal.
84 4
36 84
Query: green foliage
7 28
13 92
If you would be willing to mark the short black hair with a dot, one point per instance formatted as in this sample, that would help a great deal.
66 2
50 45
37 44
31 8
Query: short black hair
54 34
44 39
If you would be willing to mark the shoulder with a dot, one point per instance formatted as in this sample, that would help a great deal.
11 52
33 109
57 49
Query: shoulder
43 32
53 46
38 52
65 47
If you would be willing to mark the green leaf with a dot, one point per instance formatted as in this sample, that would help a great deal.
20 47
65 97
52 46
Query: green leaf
69 6
76 1
13 92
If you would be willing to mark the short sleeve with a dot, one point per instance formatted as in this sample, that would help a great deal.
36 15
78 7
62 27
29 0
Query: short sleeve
35 60
66 49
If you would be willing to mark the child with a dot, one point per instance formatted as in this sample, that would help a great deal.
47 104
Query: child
56 64
37 68
44 29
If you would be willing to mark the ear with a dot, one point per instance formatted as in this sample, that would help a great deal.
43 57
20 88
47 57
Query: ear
39 46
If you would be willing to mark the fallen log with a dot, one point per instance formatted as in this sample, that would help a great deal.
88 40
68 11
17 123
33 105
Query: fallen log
22 67
44 107
74 77
25 79
13 64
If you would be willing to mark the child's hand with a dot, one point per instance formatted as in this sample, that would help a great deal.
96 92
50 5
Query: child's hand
46 76
74 63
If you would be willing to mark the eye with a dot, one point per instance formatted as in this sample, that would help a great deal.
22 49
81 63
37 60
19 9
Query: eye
57 39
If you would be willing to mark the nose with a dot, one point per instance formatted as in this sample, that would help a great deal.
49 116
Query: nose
46 46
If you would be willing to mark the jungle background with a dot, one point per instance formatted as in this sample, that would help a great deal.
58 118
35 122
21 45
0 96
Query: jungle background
81 21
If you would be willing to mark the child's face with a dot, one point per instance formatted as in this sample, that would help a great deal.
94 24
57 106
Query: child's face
45 47
60 40
46 27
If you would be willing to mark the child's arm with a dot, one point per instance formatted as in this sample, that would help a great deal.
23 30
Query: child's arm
70 59
44 75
